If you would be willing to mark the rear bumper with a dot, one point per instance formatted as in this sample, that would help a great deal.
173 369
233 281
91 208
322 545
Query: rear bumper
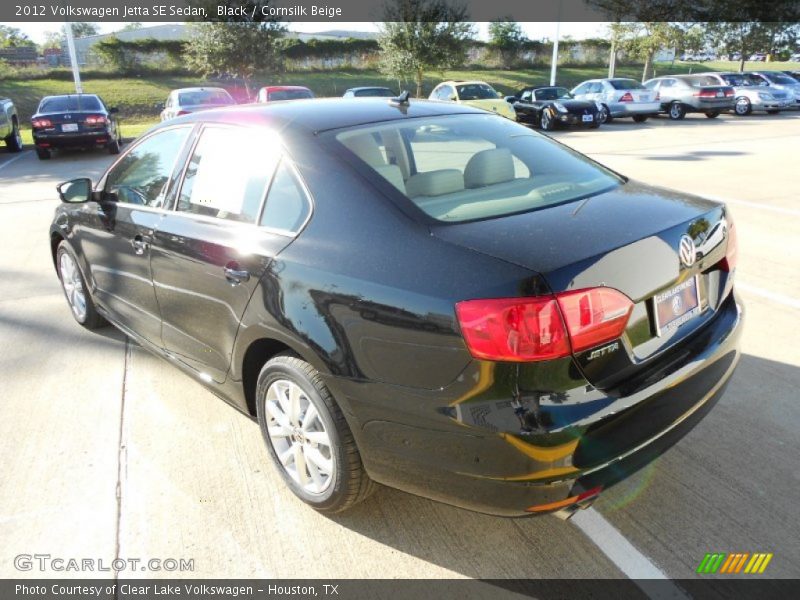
629 109
467 452
71 140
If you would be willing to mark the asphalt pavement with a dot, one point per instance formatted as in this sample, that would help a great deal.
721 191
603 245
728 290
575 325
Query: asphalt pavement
108 452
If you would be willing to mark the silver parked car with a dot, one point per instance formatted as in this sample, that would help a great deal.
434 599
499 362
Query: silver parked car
750 95
188 100
681 94
619 97
776 80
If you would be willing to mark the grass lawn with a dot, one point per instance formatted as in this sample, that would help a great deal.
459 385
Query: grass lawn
139 99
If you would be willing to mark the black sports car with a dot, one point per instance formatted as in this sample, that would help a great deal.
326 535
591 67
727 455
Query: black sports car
75 121
418 294
548 107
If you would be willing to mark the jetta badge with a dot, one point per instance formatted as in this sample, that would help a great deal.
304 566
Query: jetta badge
687 251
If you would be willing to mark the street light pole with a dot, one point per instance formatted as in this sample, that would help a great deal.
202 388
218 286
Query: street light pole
73 58
554 61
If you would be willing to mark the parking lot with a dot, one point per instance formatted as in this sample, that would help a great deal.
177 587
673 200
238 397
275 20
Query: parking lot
110 452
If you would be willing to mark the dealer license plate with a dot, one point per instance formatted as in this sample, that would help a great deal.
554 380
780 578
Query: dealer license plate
69 127
675 307
588 118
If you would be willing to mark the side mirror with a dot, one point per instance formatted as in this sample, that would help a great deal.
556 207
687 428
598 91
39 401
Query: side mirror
113 110
511 99
75 191
499 95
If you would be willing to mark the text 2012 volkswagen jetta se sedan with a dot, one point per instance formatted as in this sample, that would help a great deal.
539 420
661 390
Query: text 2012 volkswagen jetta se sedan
422 295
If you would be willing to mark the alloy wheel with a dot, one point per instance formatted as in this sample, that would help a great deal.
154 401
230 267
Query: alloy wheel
299 436
73 286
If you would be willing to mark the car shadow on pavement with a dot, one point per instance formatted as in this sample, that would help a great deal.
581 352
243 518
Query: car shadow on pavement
696 155
722 486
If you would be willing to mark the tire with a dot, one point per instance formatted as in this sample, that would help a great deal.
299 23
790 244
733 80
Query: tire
676 111
640 118
546 122
113 147
74 286
604 116
742 107
43 153
347 483
712 115
773 112
14 141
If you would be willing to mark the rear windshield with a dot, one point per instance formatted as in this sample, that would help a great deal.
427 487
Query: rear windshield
625 84
459 168
290 95
70 103
212 97
476 91
700 80
375 93
780 78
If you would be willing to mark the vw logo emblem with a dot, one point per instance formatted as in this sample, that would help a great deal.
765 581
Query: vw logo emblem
677 306
686 251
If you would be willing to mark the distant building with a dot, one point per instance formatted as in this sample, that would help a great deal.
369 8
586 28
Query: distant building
22 55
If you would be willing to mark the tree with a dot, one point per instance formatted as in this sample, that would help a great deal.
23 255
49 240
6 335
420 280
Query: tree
11 37
747 37
131 27
419 35
239 49
507 38
53 39
643 39
82 29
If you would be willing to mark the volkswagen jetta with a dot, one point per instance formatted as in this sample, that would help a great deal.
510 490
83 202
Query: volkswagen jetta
418 294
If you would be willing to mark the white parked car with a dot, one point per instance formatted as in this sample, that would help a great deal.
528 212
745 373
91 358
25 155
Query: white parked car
620 97
188 100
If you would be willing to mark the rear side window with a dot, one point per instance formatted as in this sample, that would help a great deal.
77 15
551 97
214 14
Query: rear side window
227 174
141 176
287 204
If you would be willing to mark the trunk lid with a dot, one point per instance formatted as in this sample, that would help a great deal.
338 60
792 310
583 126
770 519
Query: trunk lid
628 239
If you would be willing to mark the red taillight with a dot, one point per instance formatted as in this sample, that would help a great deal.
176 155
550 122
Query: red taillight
594 316
95 120
41 123
729 92
513 329
182 112
626 97
706 94
732 252
545 328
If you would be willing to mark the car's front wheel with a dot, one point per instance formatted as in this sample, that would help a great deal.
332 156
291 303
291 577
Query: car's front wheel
75 290
308 437
14 141
742 106
547 122
677 111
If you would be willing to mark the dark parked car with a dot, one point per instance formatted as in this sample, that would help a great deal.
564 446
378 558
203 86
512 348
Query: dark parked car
369 92
75 121
421 295
681 94
548 107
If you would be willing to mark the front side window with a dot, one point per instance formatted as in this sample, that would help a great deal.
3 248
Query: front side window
467 167
228 173
141 176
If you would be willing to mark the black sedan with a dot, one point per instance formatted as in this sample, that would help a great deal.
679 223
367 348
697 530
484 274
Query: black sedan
75 121
548 107
417 294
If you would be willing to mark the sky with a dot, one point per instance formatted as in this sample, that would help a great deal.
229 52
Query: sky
535 31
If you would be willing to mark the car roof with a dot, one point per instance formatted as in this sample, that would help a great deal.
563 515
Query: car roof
70 96
316 115
368 87
200 89
459 82
284 88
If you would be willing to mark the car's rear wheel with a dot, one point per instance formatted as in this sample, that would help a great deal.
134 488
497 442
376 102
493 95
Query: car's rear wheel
677 111
43 153
712 114
742 107
114 145
75 290
604 116
14 141
308 437
547 122
640 118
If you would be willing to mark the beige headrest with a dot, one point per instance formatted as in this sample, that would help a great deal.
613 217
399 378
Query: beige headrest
366 148
489 167
435 183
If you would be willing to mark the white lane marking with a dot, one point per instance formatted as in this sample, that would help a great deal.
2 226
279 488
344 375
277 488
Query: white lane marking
625 556
775 297
757 205
11 160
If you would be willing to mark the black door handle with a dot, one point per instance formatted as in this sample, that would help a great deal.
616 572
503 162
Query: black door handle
235 275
